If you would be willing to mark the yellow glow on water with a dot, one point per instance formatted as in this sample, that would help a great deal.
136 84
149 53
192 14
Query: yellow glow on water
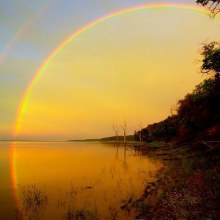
7 207
85 176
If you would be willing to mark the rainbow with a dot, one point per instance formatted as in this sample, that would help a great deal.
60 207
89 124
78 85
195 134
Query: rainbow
78 33
21 31
62 45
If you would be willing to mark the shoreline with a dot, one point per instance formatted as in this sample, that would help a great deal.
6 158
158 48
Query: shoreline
188 187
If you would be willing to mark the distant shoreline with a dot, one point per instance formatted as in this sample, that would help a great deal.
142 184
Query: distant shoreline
106 139
111 139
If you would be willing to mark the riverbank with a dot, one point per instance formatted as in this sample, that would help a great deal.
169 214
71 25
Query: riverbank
188 187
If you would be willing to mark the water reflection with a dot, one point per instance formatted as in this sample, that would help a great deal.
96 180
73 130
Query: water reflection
66 180
7 206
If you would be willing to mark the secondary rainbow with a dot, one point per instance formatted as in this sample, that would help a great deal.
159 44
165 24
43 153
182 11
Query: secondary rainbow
66 41
21 32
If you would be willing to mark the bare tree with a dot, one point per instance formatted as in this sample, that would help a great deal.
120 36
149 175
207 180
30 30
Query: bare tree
212 5
140 133
124 129
116 129
174 109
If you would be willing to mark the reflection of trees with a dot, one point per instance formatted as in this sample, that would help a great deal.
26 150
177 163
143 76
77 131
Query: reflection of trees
117 151
121 155
125 158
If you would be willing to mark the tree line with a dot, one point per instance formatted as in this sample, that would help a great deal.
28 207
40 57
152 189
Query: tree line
197 116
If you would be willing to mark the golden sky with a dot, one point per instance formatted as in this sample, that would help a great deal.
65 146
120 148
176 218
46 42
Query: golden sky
133 67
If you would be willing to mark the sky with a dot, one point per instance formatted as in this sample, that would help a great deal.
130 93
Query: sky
132 67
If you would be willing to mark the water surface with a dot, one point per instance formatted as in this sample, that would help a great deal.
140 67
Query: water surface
66 180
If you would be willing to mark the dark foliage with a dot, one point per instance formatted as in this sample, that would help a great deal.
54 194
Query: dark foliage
163 130
198 114
142 135
211 59
213 5
197 118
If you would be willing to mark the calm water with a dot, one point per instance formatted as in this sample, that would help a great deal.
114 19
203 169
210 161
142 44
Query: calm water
66 180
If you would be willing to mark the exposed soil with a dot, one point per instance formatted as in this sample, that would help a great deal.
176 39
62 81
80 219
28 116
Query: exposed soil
188 187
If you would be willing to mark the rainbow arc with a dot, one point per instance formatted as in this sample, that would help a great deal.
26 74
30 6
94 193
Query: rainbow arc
78 33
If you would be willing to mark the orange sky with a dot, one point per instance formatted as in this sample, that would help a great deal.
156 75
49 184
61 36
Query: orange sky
133 67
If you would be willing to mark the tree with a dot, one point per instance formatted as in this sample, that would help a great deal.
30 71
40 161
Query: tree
213 5
124 129
116 130
211 59
140 133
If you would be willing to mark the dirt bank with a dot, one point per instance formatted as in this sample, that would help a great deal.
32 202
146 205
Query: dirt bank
188 187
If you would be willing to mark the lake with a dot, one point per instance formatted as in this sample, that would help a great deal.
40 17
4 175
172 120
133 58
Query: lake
71 180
